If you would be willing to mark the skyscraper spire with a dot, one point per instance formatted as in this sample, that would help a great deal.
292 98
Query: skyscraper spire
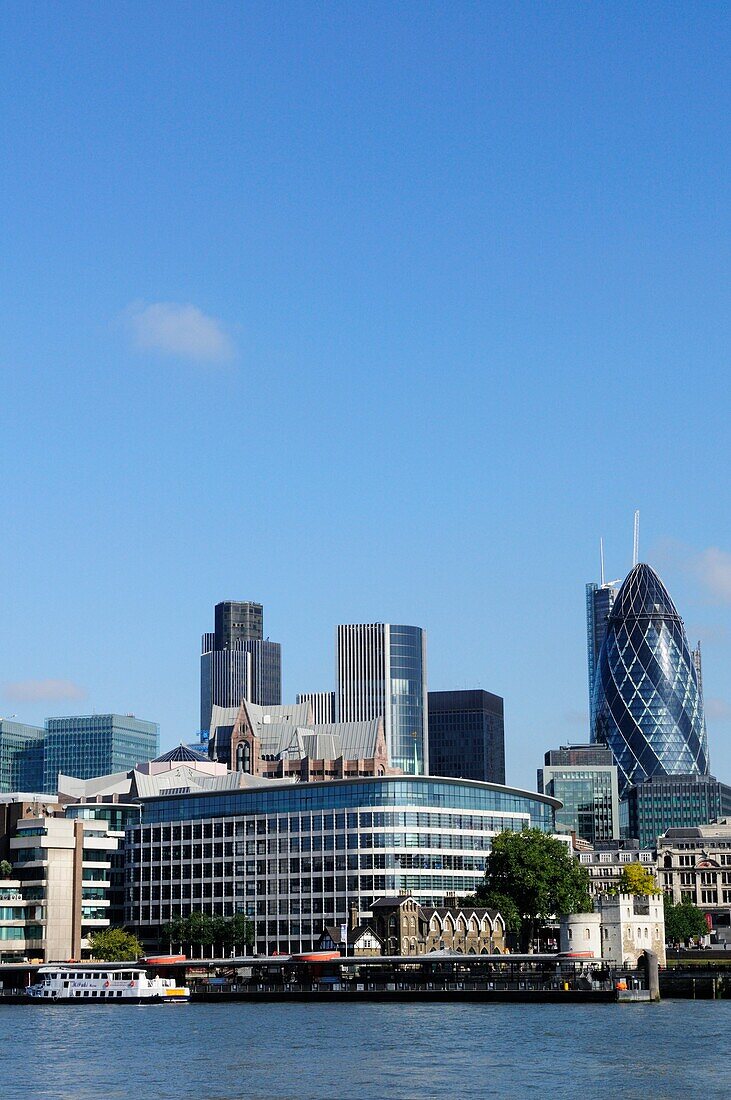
636 545
601 560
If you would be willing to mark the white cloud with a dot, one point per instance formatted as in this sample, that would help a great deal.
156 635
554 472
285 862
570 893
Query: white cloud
182 330
38 691
714 570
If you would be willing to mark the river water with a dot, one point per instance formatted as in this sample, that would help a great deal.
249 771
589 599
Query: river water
296 1052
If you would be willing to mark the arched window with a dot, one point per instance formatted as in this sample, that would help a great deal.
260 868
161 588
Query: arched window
571 933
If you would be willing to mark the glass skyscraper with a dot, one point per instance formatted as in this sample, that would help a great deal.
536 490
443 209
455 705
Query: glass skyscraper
96 744
238 662
381 673
599 602
584 778
647 700
21 757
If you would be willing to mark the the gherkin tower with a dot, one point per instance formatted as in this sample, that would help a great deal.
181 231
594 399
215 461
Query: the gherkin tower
647 699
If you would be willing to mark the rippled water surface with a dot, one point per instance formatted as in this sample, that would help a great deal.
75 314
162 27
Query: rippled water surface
282 1052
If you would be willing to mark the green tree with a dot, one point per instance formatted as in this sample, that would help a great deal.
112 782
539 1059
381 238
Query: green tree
220 932
175 932
637 879
241 931
505 906
199 930
684 921
537 873
114 945
6 869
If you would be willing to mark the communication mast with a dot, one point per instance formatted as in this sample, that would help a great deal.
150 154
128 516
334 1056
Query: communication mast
636 546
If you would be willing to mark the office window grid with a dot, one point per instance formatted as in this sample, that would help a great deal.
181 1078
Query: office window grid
88 746
294 873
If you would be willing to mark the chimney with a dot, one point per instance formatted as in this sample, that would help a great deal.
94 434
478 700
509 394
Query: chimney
353 917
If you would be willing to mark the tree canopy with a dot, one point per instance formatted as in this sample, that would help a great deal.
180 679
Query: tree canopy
534 876
201 930
684 921
637 879
6 869
114 945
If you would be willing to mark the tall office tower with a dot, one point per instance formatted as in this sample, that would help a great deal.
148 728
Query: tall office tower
599 602
21 757
647 701
584 777
235 621
96 744
467 735
381 672
237 661
323 706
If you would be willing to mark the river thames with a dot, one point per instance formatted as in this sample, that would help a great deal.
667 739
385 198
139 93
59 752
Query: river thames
297 1052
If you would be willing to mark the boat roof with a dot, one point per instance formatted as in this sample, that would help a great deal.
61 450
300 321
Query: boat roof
91 966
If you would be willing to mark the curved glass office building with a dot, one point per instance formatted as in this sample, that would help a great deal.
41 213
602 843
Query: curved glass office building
647 699
298 857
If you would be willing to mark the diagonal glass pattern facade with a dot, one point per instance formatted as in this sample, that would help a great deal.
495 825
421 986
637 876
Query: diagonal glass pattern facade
647 699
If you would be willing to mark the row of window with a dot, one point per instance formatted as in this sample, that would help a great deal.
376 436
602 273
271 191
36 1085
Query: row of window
29 932
304 845
387 791
316 823
328 884
249 868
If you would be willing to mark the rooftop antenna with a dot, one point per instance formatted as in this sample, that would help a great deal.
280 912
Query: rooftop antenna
636 546
601 558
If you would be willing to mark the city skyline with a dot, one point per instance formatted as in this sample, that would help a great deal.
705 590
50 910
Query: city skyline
572 732
452 269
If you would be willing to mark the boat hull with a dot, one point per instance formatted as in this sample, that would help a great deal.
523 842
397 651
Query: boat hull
25 999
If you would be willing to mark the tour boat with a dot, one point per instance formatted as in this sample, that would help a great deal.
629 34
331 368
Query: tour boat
122 983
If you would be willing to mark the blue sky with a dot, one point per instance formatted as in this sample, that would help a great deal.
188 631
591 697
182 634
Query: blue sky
366 312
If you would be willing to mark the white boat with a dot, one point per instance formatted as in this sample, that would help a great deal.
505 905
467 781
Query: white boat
115 983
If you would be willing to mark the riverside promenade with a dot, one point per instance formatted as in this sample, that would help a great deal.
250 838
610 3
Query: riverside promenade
440 976
326 977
